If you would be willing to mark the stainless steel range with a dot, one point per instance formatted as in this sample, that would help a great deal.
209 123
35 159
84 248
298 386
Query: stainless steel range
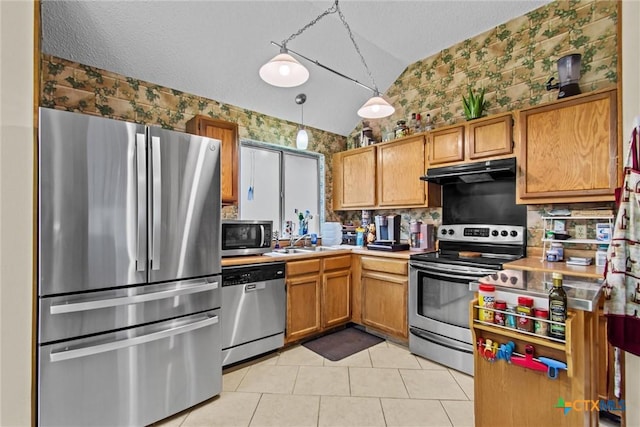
482 229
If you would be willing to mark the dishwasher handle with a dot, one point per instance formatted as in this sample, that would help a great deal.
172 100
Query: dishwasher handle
251 287
196 287
116 345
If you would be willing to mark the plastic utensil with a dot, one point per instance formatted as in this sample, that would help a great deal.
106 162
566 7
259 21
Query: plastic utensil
527 361
553 366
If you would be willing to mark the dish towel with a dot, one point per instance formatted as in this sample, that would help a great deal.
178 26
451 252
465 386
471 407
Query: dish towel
622 271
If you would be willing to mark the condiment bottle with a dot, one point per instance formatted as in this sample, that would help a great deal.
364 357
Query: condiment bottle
499 318
486 298
541 327
418 124
525 307
510 319
557 307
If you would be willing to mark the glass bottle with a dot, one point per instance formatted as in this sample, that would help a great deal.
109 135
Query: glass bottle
557 307
428 124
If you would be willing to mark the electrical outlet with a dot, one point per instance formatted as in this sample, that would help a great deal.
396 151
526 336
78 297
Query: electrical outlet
581 231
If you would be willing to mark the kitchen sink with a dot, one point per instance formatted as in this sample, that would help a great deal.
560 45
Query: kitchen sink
298 251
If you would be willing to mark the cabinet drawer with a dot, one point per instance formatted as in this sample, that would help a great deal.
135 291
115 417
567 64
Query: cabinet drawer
334 263
385 265
303 267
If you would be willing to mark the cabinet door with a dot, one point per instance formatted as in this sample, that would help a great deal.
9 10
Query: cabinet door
227 132
303 306
446 145
490 137
357 178
336 298
384 303
400 166
569 150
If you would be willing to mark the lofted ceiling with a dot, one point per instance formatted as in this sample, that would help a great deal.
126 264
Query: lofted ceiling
215 48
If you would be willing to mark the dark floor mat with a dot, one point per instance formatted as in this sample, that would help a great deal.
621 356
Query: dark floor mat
343 343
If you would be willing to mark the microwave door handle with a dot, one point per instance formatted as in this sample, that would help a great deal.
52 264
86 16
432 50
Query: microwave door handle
116 345
262 236
198 286
141 179
157 202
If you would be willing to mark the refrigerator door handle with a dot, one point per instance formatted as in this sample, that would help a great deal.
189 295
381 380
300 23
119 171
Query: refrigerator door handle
157 203
141 178
59 356
114 302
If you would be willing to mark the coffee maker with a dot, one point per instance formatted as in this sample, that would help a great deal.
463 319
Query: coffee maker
388 228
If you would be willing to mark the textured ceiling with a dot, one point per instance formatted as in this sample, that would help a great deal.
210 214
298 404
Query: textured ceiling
215 48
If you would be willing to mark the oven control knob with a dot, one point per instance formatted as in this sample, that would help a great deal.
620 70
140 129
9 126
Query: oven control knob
494 233
451 232
504 233
444 231
514 233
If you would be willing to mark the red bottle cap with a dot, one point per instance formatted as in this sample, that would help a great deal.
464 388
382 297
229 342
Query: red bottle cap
541 312
501 305
487 288
526 301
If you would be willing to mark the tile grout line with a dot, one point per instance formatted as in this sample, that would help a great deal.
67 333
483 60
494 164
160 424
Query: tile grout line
384 418
405 385
255 410
459 385
445 412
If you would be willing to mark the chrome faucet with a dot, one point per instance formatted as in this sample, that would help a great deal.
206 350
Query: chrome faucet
294 240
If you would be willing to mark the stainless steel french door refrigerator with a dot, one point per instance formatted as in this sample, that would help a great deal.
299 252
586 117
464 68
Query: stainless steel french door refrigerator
128 271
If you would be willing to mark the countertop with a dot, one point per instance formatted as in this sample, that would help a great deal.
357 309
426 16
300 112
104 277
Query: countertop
257 259
537 264
583 293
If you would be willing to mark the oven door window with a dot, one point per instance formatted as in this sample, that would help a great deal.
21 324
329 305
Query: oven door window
444 299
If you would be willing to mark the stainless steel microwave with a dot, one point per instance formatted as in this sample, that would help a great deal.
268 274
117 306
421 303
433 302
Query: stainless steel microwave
246 237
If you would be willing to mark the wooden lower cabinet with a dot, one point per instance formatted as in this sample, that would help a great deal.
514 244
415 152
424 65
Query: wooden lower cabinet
336 298
384 286
303 308
318 295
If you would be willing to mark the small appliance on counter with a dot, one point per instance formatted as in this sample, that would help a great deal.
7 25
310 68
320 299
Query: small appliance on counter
349 235
246 237
422 237
388 227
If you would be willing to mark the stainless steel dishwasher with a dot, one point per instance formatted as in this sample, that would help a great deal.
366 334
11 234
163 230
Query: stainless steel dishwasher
253 310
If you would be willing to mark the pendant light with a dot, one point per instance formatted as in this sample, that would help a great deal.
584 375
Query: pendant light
302 138
284 71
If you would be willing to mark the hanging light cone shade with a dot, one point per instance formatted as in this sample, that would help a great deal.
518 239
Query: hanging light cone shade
302 140
376 108
284 71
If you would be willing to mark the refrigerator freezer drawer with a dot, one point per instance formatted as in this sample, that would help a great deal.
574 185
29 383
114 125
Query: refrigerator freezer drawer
132 377
72 316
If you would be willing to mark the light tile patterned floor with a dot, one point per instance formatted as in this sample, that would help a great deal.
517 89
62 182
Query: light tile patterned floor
384 385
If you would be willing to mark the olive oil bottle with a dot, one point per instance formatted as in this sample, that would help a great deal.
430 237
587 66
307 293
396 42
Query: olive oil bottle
557 307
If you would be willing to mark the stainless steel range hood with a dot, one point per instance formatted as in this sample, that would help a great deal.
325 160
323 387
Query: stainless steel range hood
490 170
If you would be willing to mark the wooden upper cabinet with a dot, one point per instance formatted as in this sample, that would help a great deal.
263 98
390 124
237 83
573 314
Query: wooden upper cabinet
490 137
446 145
569 150
227 132
400 166
354 178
